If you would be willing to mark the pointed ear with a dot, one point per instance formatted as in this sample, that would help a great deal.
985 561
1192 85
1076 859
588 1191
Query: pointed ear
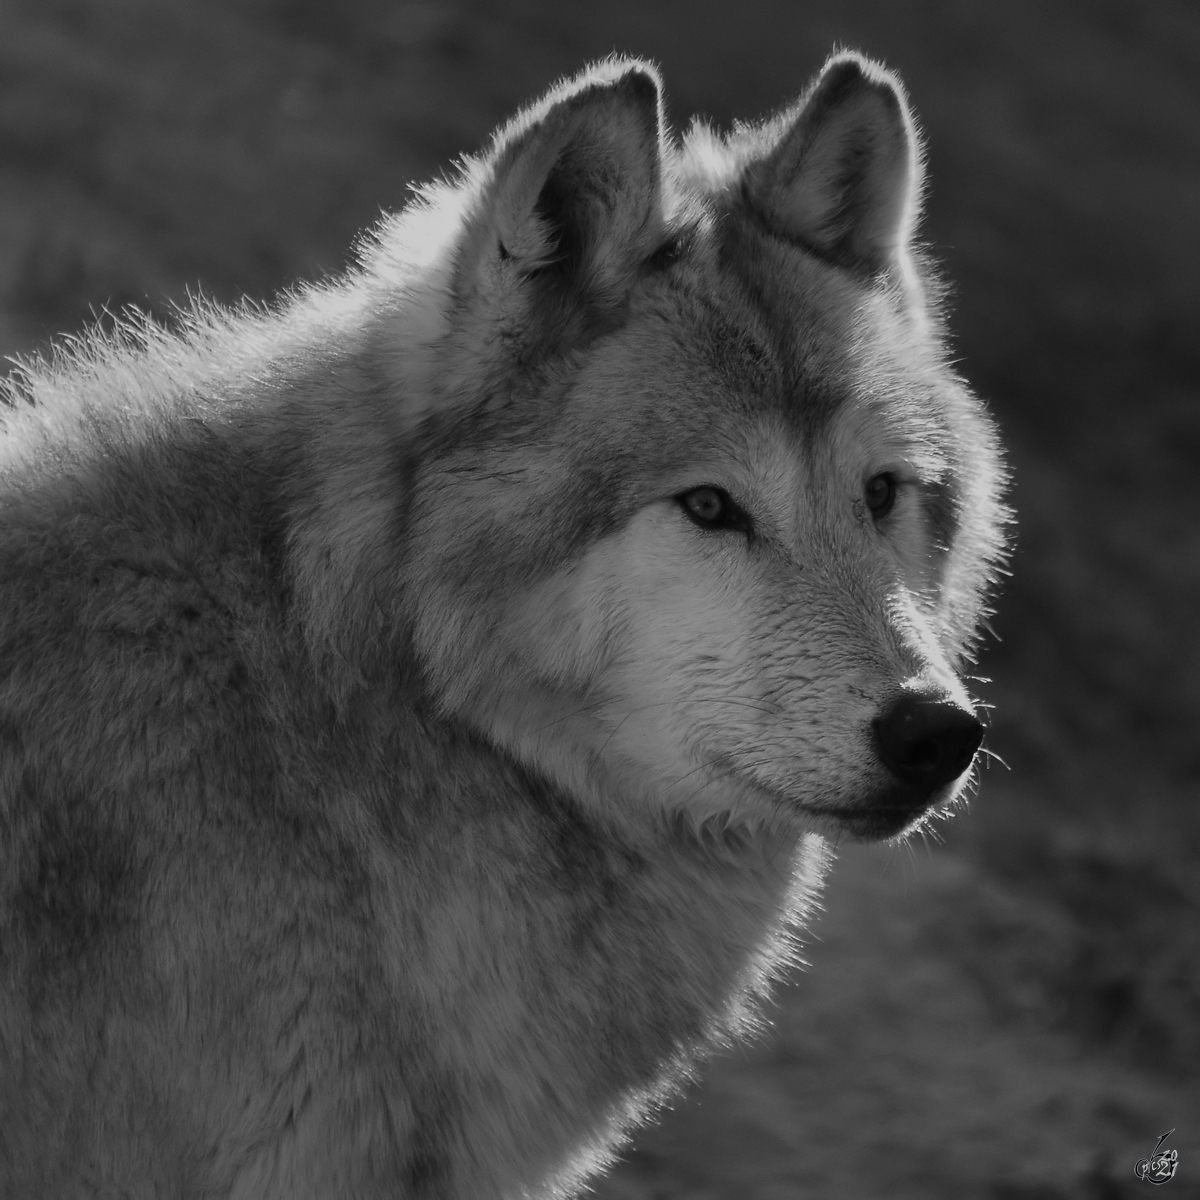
572 202
845 176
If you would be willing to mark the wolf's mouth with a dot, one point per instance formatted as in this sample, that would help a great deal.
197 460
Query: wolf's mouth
889 812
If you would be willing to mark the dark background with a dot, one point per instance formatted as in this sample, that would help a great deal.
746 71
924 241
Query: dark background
1013 1014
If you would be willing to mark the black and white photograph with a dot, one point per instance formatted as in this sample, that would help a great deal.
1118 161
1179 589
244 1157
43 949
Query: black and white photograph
599 600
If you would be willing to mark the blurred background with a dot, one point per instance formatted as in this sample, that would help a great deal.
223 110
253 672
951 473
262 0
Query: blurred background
1012 1013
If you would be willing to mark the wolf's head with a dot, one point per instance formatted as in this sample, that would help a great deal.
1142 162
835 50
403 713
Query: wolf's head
700 520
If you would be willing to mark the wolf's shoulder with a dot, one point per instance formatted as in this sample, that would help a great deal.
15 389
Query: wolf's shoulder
140 446
138 384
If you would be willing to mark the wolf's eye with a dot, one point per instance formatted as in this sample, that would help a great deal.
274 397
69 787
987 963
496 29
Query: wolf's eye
880 494
712 508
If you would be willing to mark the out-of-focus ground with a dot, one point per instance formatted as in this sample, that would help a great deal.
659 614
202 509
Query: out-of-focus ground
1013 1014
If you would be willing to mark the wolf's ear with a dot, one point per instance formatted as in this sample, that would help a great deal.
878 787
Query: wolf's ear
572 200
845 177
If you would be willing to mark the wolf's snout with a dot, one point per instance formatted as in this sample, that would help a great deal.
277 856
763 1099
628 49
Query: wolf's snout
927 743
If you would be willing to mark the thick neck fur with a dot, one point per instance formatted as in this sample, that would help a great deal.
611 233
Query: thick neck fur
522 885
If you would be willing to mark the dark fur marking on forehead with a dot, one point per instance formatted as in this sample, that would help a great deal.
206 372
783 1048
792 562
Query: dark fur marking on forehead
805 400
736 350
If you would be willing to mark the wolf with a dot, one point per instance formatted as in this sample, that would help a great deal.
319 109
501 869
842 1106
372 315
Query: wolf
427 703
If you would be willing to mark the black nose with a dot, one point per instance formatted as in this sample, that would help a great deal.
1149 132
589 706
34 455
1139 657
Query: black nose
926 743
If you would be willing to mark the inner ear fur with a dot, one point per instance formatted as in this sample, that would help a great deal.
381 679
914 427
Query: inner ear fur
573 200
844 177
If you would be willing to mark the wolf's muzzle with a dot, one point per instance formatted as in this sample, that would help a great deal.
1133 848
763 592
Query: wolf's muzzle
926 743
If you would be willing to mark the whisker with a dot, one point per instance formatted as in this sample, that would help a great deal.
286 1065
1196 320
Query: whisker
991 754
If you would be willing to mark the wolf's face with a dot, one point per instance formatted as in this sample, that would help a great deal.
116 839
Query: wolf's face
705 519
